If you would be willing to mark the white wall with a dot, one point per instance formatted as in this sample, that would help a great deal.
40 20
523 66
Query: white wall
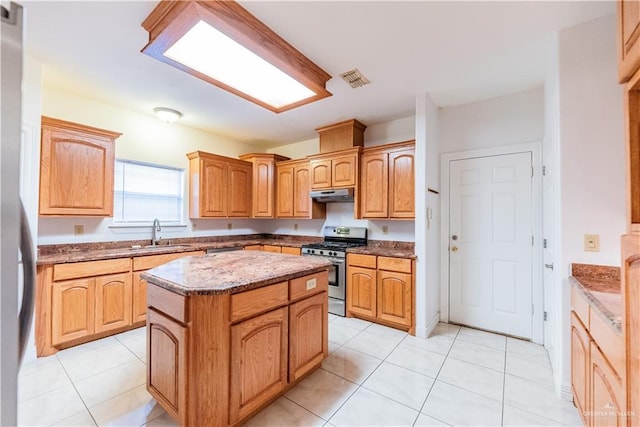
592 164
505 120
144 138
402 129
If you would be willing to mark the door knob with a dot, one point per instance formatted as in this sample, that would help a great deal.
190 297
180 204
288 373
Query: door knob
454 249
549 266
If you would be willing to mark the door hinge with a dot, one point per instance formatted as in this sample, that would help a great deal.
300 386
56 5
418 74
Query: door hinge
544 170
532 309
531 171
544 243
546 315
531 240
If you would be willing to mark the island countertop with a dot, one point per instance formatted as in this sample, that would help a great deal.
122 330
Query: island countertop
231 272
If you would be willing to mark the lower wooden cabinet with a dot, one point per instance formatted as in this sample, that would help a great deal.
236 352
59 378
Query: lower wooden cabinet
607 401
361 288
139 298
307 343
258 362
395 297
72 304
112 302
580 367
167 363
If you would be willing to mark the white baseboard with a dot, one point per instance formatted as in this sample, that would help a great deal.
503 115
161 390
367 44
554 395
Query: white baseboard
424 332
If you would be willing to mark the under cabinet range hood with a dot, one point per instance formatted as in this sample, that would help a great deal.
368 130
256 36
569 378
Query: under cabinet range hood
332 196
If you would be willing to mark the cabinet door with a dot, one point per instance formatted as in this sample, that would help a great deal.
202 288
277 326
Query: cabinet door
401 184
607 403
213 189
308 339
239 190
139 298
394 297
263 189
361 291
374 184
320 174
258 362
167 364
76 173
284 194
72 314
301 199
629 33
343 171
113 301
580 367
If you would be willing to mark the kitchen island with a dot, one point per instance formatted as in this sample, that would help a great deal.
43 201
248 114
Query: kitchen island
228 333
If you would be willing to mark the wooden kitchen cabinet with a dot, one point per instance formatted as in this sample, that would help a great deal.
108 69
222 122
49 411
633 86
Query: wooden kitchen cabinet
395 297
387 181
113 299
291 250
76 169
272 248
340 136
72 310
293 188
264 183
307 343
607 400
580 368
138 298
167 341
361 288
258 362
219 187
628 35
335 170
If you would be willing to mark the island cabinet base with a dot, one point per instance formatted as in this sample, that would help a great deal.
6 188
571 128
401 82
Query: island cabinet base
219 359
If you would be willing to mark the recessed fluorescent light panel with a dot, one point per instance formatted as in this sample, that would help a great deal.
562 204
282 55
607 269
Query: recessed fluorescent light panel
222 43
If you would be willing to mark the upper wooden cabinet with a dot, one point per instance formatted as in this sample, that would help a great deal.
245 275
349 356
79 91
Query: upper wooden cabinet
340 136
264 183
387 181
628 35
293 184
76 169
335 170
219 186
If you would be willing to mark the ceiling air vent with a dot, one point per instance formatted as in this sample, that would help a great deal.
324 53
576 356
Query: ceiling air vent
354 78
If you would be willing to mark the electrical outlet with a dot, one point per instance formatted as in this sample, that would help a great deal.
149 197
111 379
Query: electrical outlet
385 229
78 230
592 242
295 226
229 226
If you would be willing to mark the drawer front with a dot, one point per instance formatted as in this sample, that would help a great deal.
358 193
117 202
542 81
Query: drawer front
401 265
609 340
290 251
271 248
311 284
250 303
90 268
253 248
169 303
359 260
580 306
151 261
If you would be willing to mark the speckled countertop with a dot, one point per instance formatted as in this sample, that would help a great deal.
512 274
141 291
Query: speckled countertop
386 248
231 272
600 284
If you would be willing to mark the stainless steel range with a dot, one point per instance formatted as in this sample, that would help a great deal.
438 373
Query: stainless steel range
336 242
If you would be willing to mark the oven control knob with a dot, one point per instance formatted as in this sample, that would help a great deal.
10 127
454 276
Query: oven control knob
321 252
332 253
313 251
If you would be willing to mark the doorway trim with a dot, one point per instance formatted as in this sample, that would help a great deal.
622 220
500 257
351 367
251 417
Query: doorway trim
537 321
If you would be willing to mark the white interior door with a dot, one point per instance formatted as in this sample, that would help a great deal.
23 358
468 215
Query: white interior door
490 240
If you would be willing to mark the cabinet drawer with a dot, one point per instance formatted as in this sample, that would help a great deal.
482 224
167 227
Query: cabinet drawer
151 261
301 287
271 248
609 341
401 265
90 268
256 301
167 302
290 250
253 248
580 306
358 260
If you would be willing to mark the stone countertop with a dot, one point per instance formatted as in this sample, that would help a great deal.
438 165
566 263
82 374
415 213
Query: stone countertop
601 286
231 272
386 248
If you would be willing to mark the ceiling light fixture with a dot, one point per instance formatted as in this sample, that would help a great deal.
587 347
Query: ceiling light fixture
168 115
222 43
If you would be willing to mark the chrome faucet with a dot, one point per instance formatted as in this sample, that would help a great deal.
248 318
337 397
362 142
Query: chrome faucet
155 228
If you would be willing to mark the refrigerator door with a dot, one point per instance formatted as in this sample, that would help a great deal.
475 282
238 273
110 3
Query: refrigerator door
10 109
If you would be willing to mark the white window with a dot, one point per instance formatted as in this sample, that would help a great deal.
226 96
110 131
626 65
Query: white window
144 191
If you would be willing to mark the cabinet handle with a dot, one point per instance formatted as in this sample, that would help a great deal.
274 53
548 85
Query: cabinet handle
549 266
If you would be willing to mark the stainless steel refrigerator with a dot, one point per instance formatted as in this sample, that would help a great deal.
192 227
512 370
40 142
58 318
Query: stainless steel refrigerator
16 247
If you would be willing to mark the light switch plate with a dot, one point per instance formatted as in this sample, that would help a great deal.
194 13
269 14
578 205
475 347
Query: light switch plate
592 242
78 230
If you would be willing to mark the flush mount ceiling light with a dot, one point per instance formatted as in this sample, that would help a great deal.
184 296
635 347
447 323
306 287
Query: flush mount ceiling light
222 43
167 114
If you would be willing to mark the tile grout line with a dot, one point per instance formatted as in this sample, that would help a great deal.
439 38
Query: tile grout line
73 384
504 381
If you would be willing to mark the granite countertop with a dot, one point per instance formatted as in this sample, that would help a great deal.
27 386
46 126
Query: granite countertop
231 272
601 286
386 248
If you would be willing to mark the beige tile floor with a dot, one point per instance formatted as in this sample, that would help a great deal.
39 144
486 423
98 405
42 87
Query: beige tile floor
374 376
